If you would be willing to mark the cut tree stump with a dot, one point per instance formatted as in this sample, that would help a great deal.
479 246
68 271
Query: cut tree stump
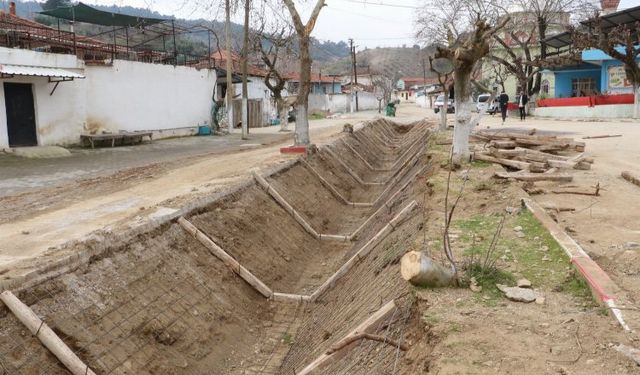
631 178
420 270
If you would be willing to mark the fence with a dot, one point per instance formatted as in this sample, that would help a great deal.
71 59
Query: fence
255 113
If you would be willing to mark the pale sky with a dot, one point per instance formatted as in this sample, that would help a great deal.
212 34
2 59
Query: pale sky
369 24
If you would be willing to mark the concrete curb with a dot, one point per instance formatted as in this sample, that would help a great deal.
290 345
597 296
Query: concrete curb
601 285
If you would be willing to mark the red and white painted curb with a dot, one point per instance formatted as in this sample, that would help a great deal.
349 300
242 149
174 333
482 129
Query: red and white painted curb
600 283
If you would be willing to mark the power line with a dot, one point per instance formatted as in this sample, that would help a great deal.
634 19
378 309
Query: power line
365 2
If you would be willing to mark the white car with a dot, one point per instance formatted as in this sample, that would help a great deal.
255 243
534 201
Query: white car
483 104
439 103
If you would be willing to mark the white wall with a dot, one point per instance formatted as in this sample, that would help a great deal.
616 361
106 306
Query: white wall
599 111
141 96
59 117
342 103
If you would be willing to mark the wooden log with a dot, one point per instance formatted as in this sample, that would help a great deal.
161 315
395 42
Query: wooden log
535 176
578 191
363 252
365 161
284 297
45 334
559 208
350 171
503 144
418 269
227 259
334 191
509 163
368 336
368 326
631 178
603 136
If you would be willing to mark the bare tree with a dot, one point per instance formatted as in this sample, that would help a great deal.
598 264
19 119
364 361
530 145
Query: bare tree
228 8
245 63
303 31
462 30
445 80
273 41
620 42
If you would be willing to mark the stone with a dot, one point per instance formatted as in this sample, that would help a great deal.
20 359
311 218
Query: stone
510 210
524 283
544 248
518 294
473 285
632 245
520 235
518 229
540 300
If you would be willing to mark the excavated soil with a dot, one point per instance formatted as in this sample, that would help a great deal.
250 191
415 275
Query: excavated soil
161 303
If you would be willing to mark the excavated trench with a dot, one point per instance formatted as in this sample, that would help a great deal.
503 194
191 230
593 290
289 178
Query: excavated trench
163 302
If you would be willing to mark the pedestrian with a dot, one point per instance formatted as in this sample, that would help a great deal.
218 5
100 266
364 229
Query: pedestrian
503 100
522 105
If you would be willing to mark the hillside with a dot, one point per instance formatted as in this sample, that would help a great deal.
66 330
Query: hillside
401 61
194 44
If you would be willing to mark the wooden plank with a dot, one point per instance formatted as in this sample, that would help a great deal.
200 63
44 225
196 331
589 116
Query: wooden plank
631 178
507 162
535 176
227 259
45 334
371 324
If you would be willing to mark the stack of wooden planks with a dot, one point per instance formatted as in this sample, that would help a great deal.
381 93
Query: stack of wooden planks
536 157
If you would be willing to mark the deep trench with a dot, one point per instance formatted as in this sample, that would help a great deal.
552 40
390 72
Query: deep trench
160 303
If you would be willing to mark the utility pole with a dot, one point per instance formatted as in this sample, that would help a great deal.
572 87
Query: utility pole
230 88
245 57
354 82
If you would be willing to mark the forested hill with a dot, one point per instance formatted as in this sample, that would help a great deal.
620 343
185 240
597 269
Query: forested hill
196 44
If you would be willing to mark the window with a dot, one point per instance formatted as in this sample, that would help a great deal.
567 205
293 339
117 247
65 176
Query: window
582 86
545 87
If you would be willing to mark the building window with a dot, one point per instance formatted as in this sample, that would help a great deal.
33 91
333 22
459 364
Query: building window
582 86
545 87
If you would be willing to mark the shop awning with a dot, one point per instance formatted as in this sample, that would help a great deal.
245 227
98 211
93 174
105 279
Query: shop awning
84 13
37 71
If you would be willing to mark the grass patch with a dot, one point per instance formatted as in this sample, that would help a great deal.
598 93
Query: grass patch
480 164
286 339
536 256
317 116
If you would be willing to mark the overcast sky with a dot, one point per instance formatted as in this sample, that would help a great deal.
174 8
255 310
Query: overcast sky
370 25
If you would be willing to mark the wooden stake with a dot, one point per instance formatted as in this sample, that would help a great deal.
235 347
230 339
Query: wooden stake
368 326
45 334
631 178
227 259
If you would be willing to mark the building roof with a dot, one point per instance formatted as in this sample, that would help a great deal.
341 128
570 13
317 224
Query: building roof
627 17
315 78
39 33
84 13
220 56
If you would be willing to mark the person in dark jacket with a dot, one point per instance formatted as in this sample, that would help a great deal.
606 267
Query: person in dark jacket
503 100
522 105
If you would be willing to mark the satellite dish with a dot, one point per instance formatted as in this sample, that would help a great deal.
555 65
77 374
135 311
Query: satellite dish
443 65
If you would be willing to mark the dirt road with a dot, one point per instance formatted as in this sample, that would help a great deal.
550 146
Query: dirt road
134 196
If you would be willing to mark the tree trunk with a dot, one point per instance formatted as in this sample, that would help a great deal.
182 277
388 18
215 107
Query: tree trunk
301 137
443 111
463 122
420 270
283 113
227 42
636 100
245 57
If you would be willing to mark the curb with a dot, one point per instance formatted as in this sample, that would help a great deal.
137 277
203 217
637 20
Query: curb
601 285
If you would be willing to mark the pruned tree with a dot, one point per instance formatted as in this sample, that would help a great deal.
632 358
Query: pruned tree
620 42
462 30
516 54
273 40
385 84
445 80
303 31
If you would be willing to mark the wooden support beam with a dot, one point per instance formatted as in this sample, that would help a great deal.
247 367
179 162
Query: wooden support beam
349 170
364 251
370 325
227 259
535 176
45 334
334 191
506 162
631 178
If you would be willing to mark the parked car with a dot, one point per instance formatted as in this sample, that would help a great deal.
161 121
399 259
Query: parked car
483 104
439 103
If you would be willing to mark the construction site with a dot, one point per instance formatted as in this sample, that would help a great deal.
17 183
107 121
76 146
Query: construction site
296 270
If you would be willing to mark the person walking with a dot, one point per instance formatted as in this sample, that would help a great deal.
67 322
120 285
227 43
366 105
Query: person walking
503 100
522 105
